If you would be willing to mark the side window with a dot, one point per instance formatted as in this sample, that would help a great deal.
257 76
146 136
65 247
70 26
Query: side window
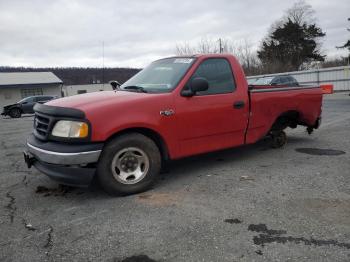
276 81
30 100
217 71
293 81
39 98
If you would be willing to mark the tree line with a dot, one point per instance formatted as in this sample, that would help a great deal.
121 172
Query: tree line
293 43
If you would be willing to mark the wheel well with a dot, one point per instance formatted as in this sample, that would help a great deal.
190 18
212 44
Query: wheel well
15 107
150 134
287 119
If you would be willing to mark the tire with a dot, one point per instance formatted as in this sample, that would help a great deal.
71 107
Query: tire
129 164
15 113
279 139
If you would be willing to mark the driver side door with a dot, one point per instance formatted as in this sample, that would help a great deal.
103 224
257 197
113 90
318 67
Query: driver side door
27 105
209 120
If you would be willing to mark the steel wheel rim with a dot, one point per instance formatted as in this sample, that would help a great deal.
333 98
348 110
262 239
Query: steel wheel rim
130 165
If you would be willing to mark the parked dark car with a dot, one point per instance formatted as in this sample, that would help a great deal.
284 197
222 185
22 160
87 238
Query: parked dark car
284 80
25 106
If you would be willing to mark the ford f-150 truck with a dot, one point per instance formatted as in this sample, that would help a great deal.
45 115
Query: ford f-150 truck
174 108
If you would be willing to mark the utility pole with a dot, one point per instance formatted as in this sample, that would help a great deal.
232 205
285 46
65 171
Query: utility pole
221 50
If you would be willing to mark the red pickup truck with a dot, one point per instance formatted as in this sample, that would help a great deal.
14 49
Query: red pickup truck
174 108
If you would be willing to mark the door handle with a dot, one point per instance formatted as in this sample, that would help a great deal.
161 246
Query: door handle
238 104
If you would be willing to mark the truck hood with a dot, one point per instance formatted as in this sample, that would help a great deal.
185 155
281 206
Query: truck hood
106 101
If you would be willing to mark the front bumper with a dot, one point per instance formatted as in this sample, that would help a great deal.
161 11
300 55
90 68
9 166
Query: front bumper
69 164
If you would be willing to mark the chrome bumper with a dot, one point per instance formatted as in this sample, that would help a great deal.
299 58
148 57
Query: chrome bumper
52 157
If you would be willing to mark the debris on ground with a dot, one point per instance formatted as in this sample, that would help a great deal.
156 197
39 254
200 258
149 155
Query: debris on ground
30 227
61 190
243 178
233 221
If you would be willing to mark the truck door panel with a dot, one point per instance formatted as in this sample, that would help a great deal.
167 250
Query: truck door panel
215 118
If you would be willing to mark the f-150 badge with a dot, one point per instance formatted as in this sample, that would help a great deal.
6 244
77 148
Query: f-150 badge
167 112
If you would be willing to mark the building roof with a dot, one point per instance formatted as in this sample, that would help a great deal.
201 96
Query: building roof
28 78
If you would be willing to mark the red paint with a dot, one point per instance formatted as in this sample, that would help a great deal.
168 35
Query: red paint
200 123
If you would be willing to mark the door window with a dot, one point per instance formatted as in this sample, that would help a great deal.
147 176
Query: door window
218 73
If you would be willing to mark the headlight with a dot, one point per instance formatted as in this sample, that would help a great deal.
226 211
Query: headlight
70 129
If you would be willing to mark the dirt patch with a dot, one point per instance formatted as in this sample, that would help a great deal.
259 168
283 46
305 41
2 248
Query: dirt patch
61 190
233 221
11 206
267 236
160 199
320 151
334 211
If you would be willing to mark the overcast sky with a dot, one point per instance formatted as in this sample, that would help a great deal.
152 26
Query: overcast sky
135 32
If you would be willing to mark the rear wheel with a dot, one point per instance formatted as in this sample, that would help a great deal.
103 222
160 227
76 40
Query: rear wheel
129 164
15 113
279 139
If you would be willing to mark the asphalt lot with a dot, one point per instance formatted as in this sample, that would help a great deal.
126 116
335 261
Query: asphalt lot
252 203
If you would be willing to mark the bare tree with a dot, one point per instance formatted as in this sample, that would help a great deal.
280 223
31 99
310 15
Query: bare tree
184 49
301 13
242 50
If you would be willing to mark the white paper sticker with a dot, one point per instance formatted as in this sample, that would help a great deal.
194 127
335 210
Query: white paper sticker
183 60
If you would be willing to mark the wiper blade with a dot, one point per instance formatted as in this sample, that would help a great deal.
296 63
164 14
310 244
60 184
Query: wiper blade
136 88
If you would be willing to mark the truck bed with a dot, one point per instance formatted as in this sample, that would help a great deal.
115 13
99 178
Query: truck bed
268 103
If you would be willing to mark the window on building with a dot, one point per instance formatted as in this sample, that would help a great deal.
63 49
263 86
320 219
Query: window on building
219 75
81 92
25 92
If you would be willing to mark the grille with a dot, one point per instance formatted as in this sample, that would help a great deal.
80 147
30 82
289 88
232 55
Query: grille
42 126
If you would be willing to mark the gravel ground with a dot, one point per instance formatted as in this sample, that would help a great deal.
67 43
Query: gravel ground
246 204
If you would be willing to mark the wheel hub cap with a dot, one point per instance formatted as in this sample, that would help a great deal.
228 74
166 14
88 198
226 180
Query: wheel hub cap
130 165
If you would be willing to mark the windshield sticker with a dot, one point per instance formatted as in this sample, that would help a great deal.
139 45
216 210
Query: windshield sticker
183 60
163 68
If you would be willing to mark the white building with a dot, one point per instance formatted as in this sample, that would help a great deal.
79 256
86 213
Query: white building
81 89
15 86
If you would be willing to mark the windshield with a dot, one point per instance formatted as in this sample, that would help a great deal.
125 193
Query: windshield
160 76
27 99
263 81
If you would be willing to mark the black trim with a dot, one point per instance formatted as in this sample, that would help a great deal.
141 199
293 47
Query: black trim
67 175
274 89
63 147
59 111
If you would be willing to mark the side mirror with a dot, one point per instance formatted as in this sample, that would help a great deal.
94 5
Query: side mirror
115 84
198 84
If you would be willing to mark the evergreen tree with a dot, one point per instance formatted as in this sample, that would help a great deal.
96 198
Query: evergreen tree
293 41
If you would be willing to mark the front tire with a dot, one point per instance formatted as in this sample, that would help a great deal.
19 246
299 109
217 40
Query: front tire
129 164
15 113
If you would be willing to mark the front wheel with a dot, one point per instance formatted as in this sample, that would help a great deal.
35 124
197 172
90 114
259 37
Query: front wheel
15 113
129 164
